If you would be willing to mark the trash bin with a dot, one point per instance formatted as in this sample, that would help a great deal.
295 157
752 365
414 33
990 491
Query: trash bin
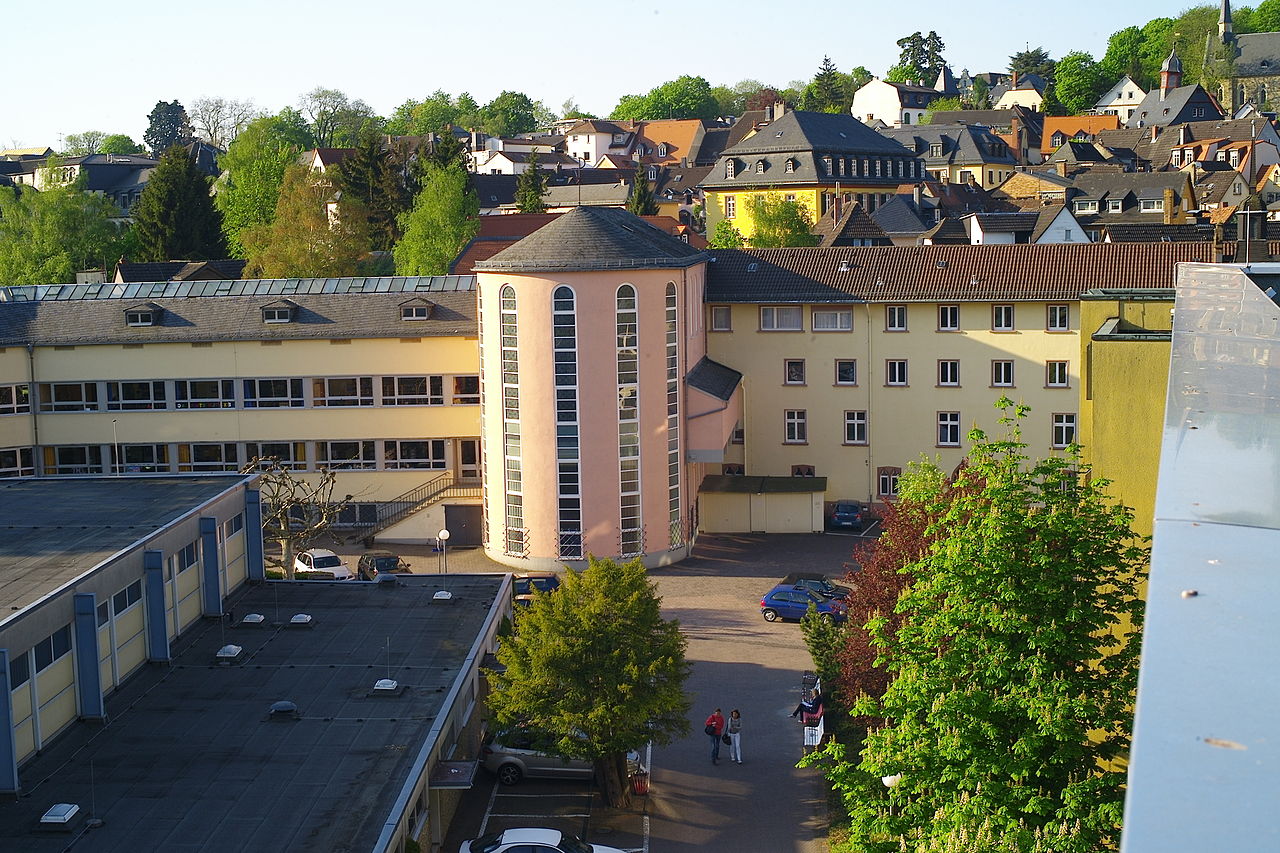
640 782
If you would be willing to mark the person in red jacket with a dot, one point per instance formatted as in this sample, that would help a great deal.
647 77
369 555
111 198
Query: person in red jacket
714 729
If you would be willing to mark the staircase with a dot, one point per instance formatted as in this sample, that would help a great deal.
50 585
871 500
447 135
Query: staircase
415 500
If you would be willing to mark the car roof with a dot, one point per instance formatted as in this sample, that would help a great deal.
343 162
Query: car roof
532 836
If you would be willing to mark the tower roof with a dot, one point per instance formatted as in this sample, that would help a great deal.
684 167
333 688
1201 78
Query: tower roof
594 238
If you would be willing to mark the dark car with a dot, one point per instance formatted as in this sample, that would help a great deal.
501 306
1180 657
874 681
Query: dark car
848 515
786 601
374 563
818 583
527 582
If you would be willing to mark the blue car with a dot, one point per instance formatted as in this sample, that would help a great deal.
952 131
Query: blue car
785 601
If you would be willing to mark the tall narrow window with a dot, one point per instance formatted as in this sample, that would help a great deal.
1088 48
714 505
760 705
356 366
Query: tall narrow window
631 531
564 334
675 521
515 539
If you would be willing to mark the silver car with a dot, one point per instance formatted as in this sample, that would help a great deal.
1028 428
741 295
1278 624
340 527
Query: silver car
516 753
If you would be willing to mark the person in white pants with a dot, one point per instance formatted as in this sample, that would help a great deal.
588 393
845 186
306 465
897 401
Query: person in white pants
735 736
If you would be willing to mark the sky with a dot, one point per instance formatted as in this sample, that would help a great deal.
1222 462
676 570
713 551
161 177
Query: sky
104 67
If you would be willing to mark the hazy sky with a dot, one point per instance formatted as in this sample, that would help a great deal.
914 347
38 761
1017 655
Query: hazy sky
103 66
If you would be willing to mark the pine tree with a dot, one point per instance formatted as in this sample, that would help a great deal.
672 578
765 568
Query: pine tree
640 200
530 186
175 217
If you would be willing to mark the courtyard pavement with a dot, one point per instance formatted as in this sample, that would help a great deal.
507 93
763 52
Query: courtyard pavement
764 805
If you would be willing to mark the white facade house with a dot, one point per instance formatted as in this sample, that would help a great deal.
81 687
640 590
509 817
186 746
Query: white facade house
1122 99
895 104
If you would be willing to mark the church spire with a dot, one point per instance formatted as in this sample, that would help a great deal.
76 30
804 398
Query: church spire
1225 31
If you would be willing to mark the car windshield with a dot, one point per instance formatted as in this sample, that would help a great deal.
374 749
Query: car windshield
330 562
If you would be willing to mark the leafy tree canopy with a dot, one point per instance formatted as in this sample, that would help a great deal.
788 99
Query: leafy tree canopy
1011 661
596 658
444 217
47 237
168 126
175 217
778 222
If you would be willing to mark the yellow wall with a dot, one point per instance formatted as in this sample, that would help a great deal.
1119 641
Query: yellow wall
1122 402
902 421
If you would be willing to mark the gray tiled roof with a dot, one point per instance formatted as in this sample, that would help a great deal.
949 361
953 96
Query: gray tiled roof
594 238
712 377
198 319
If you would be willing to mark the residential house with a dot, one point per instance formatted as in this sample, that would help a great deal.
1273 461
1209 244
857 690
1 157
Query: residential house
1059 130
1021 128
590 139
1025 90
1121 100
958 153
811 158
895 104
1173 103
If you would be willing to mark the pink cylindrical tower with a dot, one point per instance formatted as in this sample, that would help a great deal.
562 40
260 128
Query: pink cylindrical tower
587 329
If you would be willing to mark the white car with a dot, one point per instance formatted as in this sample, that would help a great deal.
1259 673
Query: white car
320 560
533 841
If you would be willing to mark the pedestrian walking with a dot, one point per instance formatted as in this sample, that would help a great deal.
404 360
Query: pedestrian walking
715 729
735 736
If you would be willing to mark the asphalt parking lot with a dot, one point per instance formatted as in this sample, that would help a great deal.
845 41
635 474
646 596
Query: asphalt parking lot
764 805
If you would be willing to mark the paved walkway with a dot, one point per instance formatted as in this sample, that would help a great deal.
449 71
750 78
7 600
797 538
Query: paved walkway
764 805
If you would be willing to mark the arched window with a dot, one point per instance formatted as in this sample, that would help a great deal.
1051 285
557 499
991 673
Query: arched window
674 520
515 539
564 336
631 532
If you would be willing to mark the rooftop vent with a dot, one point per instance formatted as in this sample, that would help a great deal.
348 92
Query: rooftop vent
385 685
300 620
284 709
228 653
60 814
442 595
252 619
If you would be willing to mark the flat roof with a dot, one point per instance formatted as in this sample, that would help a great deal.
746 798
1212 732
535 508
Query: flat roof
56 529
190 760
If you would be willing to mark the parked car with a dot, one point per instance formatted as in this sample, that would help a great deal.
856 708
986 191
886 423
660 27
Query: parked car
848 515
786 601
819 583
531 840
515 753
527 582
374 563
320 560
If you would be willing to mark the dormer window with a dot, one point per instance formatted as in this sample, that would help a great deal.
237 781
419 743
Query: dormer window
416 309
143 315
279 312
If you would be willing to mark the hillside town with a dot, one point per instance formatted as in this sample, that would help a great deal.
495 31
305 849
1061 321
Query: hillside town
540 425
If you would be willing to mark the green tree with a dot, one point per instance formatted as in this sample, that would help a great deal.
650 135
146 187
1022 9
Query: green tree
778 222
640 200
444 217
1033 60
938 106
1013 667
175 217
726 236
119 143
1079 82
301 241
168 126
509 114
47 237
253 171
80 144
530 186
595 666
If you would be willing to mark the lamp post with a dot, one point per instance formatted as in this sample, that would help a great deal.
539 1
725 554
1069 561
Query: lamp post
444 550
